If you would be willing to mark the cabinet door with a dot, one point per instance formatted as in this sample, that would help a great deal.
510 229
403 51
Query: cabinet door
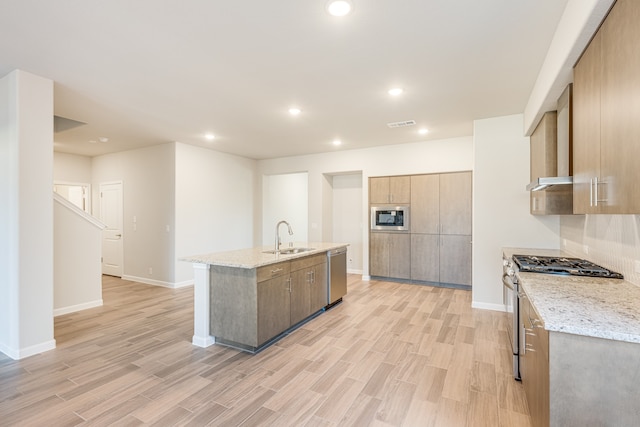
399 255
620 96
425 257
319 288
400 189
425 204
379 190
300 295
455 259
455 203
378 255
586 126
273 308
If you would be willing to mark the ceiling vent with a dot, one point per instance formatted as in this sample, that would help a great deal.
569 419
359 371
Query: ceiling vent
401 124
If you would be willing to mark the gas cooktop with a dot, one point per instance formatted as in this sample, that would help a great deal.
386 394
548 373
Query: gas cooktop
563 265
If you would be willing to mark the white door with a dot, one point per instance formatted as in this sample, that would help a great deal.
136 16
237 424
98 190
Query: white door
111 215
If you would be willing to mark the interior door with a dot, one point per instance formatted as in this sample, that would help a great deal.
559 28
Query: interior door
112 241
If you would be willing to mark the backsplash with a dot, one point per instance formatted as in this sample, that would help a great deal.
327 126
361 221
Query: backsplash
612 241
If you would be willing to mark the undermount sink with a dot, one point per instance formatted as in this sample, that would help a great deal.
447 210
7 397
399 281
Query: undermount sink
288 251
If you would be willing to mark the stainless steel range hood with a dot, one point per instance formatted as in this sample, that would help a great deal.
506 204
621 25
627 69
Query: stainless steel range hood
549 183
551 186
558 159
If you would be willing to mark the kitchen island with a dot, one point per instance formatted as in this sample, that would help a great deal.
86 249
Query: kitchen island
248 298
579 347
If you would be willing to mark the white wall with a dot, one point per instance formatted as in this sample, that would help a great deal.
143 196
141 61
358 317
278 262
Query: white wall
501 205
77 267
348 227
216 202
446 155
26 214
285 197
71 168
148 177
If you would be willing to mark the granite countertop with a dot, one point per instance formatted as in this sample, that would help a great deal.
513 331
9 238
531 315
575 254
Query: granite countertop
255 257
601 308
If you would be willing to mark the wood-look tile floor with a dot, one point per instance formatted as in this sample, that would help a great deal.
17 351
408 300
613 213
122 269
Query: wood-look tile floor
390 355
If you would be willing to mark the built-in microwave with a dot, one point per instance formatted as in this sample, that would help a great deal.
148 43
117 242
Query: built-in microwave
390 218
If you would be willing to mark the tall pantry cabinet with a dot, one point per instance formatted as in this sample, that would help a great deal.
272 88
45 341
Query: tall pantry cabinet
441 237
438 247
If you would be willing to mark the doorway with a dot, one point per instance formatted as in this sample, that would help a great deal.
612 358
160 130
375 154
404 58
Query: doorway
112 237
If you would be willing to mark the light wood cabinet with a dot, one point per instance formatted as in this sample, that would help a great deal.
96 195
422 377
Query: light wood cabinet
455 203
425 257
390 190
425 204
534 363
606 131
390 255
274 308
455 259
250 307
441 228
308 287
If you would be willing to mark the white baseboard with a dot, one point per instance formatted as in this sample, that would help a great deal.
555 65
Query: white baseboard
28 351
366 278
203 341
351 271
77 307
488 306
147 281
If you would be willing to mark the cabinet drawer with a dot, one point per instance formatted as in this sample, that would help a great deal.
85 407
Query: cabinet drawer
273 270
306 262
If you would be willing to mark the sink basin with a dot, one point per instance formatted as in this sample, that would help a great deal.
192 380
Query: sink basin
288 251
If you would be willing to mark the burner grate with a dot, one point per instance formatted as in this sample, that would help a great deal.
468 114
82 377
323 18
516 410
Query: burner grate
563 265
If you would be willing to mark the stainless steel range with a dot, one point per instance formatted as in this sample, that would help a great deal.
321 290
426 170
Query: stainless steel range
539 264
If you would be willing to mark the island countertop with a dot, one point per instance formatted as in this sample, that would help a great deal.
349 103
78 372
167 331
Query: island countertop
594 307
256 257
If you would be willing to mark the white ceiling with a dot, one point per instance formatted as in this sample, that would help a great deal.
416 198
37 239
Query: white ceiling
146 72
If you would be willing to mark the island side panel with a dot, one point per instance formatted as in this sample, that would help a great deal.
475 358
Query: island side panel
593 381
234 305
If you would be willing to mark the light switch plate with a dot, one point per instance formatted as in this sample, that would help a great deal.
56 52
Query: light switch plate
585 249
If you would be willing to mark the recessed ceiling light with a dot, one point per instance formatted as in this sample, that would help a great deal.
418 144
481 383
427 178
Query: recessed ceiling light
103 139
423 131
294 111
210 137
339 7
93 141
395 91
337 142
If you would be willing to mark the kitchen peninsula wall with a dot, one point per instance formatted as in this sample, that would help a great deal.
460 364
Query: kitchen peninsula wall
611 240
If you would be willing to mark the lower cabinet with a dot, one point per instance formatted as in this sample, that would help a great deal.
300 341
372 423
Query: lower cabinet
390 255
274 306
576 380
251 307
534 362
441 258
308 287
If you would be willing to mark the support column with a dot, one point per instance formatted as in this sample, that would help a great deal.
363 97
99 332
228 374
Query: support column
26 214
202 306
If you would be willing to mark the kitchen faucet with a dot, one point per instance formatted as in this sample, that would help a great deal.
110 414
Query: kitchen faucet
277 248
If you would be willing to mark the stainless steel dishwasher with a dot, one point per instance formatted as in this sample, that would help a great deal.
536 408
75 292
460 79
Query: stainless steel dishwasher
337 275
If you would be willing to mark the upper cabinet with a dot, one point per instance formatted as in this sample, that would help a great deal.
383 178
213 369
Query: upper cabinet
390 190
606 129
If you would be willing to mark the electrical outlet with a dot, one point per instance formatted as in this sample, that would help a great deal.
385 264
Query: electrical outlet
564 243
150 270
585 249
